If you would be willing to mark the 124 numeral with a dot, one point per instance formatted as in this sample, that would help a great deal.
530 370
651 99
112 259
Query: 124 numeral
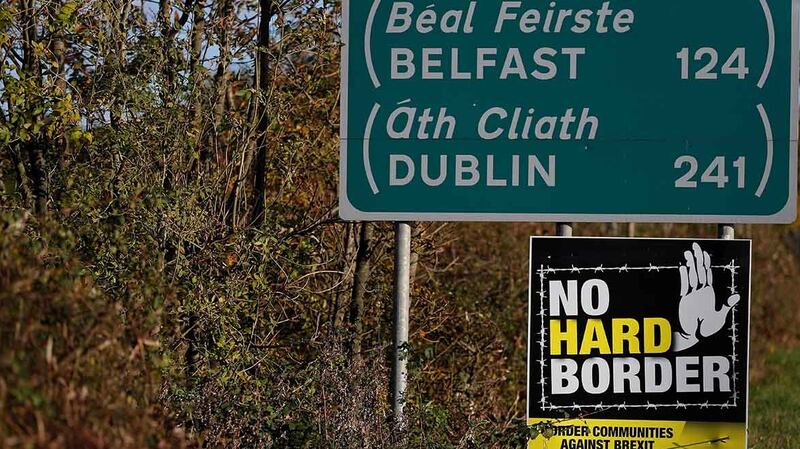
708 57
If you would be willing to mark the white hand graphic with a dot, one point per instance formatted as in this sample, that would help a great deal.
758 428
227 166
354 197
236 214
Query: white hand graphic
697 311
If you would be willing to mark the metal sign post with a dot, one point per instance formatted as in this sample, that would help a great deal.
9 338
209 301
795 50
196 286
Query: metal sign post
402 303
564 229
726 231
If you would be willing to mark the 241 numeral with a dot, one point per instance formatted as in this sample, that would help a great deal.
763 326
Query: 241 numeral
713 174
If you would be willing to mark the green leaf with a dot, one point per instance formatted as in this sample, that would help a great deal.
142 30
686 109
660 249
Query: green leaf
75 134
66 11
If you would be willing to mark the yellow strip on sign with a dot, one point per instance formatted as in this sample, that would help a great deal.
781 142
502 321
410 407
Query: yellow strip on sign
575 433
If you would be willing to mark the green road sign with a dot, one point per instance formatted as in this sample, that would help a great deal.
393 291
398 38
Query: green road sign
570 110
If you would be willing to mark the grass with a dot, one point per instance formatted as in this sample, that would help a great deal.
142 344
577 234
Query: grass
775 403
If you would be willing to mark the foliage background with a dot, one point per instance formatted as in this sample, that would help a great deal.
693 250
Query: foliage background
173 272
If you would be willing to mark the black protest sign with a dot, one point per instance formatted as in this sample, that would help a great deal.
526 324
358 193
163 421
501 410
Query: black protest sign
638 334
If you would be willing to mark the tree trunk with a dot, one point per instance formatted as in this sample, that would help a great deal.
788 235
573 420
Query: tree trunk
221 77
259 173
198 28
23 182
347 274
28 37
191 354
39 182
360 287
33 148
222 156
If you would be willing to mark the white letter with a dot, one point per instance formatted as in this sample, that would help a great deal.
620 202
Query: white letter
562 376
490 179
393 160
442 120
407 62
582 22
602 13
623 21
426 20
568 299
566 120
452 14
482 133
535 166
602 297
455 74
483 62
513 65
585 120
442 171
428 63
406 132
462 169
550 122
716 367
529 20
625 370
504 15
551 71
683 374
468 20
573 60
599 384
396 16
424 119
665 372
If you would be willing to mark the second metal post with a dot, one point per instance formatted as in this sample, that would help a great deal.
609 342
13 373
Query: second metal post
402 304
726 231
